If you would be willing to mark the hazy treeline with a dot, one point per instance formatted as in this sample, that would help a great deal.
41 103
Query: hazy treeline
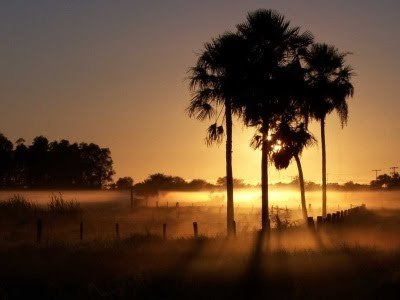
390 182
57 164
161 182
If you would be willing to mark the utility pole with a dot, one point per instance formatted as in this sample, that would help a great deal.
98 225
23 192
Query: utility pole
376 173
394 170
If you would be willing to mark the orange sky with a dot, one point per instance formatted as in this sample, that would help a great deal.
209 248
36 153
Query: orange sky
113 73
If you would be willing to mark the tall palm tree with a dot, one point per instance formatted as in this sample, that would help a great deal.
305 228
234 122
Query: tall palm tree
215 83
273 47
290 139
329 80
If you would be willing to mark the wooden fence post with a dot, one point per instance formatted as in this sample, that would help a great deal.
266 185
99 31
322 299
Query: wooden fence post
164 231
132 204
319 222
117 230
310 223
39 230
328 218
338 217
81 231
195 230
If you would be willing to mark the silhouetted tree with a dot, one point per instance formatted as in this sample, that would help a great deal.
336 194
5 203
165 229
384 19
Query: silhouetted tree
238 183
290 139
38 162
124 183
6 148
57 164
274 50
329 80
96 165
65 163
20 164
215 82
199 184
386 181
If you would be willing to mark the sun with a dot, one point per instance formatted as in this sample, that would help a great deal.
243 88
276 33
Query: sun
277 147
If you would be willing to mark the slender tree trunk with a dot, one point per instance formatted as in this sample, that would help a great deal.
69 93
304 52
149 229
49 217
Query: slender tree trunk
265 224
229 175
302 190
323 167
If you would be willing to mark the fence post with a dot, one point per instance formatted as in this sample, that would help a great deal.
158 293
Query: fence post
39 230
328 218
133 204
338 219
117 230
164 231
319 222
81 231
195 230
310 223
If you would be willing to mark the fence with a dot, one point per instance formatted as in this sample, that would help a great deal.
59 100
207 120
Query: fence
174 221
336 218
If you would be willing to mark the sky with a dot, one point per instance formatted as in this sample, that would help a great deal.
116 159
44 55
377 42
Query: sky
115 73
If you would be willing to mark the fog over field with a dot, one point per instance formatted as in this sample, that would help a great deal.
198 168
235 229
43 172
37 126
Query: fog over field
242 197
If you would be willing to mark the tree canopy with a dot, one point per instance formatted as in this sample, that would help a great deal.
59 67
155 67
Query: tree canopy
57 164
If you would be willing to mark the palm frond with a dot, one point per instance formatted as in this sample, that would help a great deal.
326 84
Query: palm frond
200 109
256 141
215 134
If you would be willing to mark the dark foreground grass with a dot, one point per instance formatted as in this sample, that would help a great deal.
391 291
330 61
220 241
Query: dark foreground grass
146 267
358 259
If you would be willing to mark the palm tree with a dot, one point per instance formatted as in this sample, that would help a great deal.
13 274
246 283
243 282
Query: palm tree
273 49
215 83
290 139
328 78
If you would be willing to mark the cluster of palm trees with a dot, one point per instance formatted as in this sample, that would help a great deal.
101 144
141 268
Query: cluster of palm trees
274 78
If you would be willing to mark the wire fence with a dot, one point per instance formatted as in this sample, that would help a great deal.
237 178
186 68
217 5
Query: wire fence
168 223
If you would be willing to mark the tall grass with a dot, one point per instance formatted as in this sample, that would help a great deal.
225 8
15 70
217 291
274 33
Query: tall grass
61 207
17 206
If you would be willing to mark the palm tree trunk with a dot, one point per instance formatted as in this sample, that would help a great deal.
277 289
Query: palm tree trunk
302 190
323 168
265 225
229 175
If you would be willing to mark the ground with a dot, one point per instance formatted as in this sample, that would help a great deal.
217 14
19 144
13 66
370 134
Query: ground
358 259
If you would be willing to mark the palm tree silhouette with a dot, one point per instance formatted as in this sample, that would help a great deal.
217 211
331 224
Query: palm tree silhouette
215 83
273 50
290 139
328 78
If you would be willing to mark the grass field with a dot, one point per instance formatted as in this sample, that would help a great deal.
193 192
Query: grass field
359 259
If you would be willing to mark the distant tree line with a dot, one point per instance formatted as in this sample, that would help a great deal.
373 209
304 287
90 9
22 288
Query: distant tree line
157 182
390 182
57 164
161 182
